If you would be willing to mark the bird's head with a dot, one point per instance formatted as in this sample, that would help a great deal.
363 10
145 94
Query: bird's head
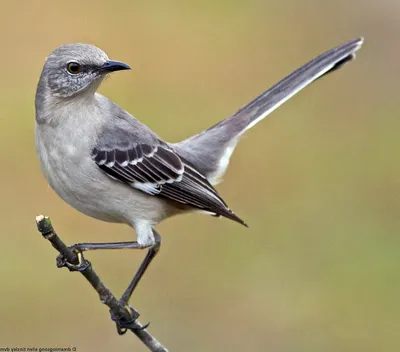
74 69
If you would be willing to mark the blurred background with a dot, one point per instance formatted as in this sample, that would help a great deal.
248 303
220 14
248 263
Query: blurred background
318 181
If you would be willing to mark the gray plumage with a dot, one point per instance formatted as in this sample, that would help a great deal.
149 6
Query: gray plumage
110 166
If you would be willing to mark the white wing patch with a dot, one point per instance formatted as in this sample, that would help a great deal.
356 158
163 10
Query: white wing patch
150 188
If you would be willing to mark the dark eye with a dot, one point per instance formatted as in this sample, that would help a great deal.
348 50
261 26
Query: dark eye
74 68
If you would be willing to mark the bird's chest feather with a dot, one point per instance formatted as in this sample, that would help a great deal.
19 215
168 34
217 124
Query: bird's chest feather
65 157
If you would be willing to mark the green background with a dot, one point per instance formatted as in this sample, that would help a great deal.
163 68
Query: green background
318 181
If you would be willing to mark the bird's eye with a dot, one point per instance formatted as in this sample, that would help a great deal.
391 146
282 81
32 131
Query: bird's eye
74 68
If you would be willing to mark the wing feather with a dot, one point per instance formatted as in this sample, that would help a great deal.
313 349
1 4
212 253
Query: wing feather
159 171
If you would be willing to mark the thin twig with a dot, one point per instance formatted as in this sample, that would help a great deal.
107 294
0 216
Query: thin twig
76 262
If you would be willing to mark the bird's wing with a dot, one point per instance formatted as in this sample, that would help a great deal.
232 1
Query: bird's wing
159 171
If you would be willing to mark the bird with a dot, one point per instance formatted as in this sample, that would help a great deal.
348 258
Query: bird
110 166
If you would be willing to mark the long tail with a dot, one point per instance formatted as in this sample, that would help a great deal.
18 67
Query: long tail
211 149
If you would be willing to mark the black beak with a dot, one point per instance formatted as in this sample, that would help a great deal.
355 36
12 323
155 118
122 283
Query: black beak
111 66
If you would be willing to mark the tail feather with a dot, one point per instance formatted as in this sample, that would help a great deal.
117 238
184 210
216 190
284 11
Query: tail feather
211 149
274 97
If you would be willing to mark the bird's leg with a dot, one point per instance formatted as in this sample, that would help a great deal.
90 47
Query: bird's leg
81 247
153 250
123 325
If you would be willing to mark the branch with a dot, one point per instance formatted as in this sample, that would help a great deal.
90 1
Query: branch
75 262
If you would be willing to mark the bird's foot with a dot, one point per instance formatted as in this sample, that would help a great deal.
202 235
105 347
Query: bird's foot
82 265
123 324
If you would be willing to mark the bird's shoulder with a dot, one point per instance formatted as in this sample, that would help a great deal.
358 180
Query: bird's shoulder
122 130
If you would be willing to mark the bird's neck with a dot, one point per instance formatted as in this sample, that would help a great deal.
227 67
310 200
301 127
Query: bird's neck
54 110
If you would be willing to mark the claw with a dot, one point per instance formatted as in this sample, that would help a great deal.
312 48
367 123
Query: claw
82 265
121 331
144 327
123 325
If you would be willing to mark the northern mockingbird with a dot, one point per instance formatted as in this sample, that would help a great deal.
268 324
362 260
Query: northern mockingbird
108 165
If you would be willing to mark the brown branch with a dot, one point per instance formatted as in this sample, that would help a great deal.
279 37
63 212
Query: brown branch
76 262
